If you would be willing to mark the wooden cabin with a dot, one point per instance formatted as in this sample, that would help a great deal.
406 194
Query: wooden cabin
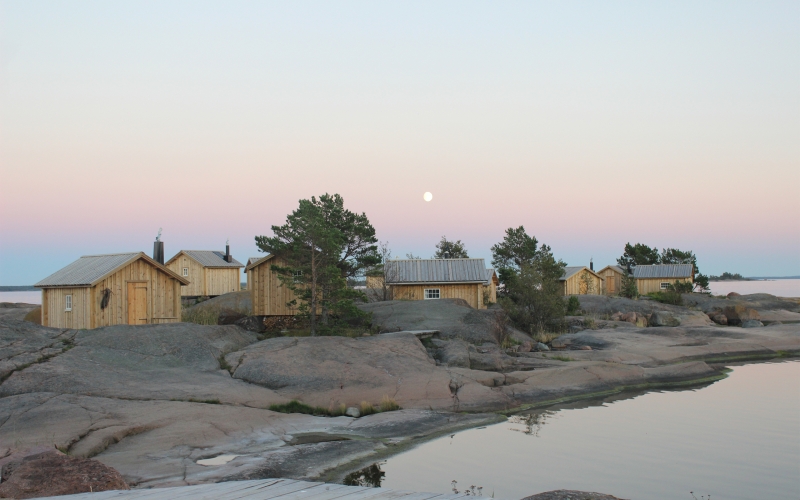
430 279
612 279
209 272
580 280
658 277
267 292
112 289
490 287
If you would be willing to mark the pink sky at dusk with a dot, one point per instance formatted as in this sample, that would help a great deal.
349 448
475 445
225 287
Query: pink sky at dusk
593 125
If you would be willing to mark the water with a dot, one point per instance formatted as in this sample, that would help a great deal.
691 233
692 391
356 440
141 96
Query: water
738 438
781 288
26 297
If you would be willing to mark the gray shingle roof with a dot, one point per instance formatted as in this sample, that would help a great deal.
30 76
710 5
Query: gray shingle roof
209 258
663 271
436 271
87 269
256 261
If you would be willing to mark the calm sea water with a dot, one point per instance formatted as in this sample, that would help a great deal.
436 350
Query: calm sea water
738 438
26 297
781 288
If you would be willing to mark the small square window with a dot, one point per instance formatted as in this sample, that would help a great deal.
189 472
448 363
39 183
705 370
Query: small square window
68 302
298 276
186 271
664 286
432 293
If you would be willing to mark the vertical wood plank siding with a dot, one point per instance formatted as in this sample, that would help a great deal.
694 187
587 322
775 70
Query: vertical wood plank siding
612 282
650 285
205 281
572 286
267 293
472 293
53 308
492 288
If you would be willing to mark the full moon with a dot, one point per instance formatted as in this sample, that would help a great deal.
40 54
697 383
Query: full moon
427 196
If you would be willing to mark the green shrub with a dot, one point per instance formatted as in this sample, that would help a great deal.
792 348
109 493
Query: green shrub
573 306
628 287
667 297
295 406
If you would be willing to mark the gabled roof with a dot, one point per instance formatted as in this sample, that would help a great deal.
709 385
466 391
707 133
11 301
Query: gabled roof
208 258
257 261
663 271
91 269
571 271
491 276
408 271
614 268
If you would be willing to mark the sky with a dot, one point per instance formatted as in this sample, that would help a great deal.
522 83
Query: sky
592 124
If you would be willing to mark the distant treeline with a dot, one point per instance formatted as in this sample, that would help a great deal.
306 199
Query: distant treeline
728 277
23 288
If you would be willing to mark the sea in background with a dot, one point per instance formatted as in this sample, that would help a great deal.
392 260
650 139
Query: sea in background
26 297
781 288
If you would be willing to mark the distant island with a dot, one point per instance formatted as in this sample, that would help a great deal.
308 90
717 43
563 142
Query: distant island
22 288
726 276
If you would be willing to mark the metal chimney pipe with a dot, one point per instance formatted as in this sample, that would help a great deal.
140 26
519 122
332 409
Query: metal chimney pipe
158 251
228 257
591 265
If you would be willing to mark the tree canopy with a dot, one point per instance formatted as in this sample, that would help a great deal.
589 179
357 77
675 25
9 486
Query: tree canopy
448 249
530 277
322 244
638 255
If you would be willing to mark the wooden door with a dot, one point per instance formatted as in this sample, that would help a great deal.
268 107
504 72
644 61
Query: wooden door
611 283
137 303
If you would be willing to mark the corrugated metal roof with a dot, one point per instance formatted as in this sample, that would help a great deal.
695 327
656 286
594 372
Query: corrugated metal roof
253 259
663 271
489 274
615 268
571 271
436 271
210 258
87 269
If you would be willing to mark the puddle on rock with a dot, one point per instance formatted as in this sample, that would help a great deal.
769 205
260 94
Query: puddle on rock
219 460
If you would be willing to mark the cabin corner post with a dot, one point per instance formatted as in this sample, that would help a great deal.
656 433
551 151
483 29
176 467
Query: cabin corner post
177 304
44 317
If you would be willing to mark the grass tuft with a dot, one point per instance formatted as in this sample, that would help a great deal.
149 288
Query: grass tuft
389 404
295 406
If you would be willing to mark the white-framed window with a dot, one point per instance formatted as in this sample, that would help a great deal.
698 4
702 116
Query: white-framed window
664 285
432 293
298 276
67 302
186 271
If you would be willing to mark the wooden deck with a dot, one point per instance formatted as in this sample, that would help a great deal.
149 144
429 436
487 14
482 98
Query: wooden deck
264 489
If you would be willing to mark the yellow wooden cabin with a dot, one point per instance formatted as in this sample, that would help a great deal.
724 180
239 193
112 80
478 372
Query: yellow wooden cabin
209 272
580 280
112 289
267 292
430 279
612 279
490 287
658 277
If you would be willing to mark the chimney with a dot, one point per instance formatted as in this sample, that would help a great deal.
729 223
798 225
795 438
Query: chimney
591 265
158 249
228 257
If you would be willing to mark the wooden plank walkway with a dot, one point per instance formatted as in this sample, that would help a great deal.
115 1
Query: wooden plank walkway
265 489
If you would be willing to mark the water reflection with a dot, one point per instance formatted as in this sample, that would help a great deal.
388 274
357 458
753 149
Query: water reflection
368 476
532 422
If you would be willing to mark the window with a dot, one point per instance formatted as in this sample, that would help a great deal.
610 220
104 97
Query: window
298 276
186 271
664 285
68 302
431 293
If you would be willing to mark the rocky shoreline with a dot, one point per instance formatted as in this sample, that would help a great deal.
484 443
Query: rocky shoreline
150 401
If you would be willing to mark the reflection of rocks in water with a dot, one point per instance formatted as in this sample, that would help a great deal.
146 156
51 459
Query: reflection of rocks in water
368 476
533 422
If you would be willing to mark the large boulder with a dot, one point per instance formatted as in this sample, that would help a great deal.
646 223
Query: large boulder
738 314
752 323
454 353
570 495
717 317
50 474
663 318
